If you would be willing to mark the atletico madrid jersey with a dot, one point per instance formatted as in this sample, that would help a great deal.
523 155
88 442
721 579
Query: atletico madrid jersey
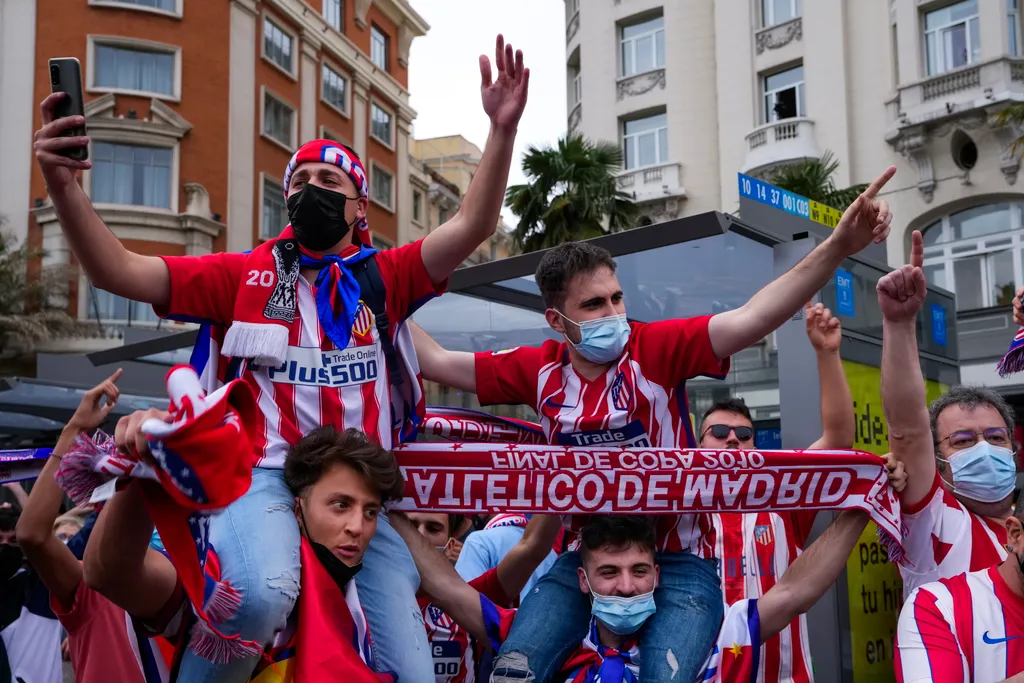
318 384
755 550
966 628
944 539
639 402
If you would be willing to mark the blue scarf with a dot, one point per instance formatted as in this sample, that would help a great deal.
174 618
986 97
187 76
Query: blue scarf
337 292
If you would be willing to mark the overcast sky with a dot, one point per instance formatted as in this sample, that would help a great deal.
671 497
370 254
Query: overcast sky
444 73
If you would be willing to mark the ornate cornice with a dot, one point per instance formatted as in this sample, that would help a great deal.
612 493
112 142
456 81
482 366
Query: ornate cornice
774 37
640 84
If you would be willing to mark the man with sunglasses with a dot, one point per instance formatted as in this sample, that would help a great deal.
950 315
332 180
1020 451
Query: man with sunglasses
756 549
959 454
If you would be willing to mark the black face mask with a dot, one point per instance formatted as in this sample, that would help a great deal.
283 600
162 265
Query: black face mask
318 217
339 571
11 559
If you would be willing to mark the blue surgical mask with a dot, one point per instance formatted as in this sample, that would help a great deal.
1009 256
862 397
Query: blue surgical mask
622 616
983 472
602 340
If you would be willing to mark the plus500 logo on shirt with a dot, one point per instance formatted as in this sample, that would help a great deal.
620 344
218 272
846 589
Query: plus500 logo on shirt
632 435
313 367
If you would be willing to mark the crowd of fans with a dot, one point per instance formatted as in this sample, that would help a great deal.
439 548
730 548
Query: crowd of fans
309 576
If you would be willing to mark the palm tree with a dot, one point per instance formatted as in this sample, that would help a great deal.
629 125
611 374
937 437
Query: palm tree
33 299
1012 116
572 194
813 179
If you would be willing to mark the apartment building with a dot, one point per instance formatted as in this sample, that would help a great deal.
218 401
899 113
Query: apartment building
696 92
194 108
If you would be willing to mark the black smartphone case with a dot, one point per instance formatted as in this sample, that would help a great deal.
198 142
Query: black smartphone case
66 77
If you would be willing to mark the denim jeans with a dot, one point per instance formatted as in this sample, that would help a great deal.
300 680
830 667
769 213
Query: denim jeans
257 541
674 643
387 587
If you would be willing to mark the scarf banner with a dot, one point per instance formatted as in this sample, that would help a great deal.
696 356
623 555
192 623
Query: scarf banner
465 478
22 464
462 424
1013 361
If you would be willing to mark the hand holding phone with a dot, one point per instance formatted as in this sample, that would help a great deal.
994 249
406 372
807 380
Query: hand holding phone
66 77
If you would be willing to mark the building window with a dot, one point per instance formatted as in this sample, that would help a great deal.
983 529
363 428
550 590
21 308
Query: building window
643 46
417 206
977 254
163 5
1013 20
278 120
334 15
952 37
779 11
277 45
442 215
784 95
645 141
380 124
379 47
131 174
895 57
572 8
577 88
129 68
380 244
275 211
106 307
333 89
382 187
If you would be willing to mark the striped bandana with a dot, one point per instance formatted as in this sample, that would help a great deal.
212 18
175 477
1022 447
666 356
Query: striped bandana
328 152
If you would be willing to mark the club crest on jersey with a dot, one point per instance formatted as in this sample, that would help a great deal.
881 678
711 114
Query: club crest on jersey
363 322
438 617
763 534
622 393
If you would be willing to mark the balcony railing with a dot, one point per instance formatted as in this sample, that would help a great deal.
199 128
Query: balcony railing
650 182
780 142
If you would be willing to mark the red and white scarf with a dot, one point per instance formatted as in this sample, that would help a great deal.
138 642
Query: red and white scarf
499 521
466 478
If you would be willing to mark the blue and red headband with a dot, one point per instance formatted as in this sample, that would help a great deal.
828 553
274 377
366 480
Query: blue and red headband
328 152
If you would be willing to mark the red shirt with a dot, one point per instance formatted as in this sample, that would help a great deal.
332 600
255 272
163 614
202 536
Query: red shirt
101 638
639 402
307 391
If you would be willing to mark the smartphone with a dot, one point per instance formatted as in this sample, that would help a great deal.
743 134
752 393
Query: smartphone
66 77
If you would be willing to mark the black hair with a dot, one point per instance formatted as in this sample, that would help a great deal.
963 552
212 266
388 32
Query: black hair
736 406
324 447
561 264
618 531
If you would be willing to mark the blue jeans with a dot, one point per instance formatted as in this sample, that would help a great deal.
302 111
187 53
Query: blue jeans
257 541
387 591
674 643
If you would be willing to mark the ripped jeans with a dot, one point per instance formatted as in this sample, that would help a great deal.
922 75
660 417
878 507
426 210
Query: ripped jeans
675 643
257 541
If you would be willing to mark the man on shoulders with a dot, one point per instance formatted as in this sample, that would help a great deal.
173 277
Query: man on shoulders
959 453
295 311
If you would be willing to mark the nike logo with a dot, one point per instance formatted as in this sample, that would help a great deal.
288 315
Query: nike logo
995 641
552 404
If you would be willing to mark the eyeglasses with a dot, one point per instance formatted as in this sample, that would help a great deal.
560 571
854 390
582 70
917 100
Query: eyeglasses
743 433
997 436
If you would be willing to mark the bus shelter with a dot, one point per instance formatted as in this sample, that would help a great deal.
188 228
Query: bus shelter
698 265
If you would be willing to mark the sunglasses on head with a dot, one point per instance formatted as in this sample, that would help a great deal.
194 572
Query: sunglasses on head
743 433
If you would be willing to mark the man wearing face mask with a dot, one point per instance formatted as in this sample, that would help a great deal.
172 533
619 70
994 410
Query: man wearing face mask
618 577
314 350
612 382
959 454
968 628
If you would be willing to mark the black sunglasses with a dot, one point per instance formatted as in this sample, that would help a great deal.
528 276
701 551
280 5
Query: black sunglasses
722 432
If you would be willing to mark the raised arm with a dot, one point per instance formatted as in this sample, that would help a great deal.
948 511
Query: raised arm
837 420
455 369
118 560
105 260
439 580
522 560
901 294
866 220
809 577
504 100
59 569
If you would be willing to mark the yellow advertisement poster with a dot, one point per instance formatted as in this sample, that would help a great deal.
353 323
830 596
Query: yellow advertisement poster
874 588
825 215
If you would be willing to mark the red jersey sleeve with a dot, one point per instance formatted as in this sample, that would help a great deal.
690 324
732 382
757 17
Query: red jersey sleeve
203 288
926 647
408 284
508 376
488 585
673 351
77 615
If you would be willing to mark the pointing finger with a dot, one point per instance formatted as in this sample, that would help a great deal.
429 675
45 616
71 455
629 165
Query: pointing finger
916 249
879 183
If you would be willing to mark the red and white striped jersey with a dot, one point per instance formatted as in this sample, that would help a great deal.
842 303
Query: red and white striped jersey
639 402
453 650
318 384
969 628
754 550
944 539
